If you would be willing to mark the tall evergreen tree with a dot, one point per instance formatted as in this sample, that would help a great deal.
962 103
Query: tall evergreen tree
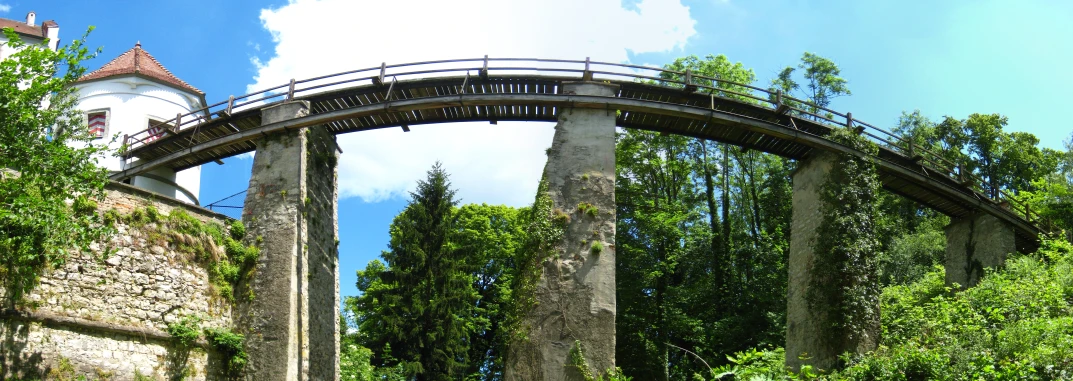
418 311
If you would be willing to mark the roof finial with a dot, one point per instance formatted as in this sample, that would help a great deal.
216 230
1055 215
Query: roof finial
139 44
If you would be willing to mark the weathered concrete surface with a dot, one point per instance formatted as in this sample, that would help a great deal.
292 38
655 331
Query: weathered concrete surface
576 293
808 329
290 323
973 244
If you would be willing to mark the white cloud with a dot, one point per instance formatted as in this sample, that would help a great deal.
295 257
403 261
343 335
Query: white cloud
4 8
496 164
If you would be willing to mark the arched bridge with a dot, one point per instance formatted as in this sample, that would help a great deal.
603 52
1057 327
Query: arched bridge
291 201
502 89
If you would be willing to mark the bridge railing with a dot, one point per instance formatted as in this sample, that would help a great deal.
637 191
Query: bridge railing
466 71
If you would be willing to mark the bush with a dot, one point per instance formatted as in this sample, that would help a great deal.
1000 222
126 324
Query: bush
238 230
230 345
1016 324
186 331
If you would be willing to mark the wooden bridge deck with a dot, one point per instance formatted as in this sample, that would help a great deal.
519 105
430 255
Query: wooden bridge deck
530 97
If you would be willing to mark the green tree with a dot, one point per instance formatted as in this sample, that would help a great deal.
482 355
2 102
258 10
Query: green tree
822 78
490 237
417 312
43 165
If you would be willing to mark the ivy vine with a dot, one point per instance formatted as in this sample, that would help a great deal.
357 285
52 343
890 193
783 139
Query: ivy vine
844 283
546 228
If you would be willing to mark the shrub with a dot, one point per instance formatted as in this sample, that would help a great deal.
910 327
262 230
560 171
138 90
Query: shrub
230 345
186 331
238 230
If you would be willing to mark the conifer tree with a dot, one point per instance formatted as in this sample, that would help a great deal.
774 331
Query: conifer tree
416 312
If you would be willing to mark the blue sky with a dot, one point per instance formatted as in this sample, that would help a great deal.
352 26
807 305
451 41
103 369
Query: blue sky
951 57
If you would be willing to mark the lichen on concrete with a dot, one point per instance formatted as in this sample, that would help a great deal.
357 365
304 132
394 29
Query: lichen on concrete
575 297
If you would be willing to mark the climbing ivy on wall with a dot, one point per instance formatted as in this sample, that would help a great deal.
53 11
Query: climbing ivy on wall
844 282
219 249
546 227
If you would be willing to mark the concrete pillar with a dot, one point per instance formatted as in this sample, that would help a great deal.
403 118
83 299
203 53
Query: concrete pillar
575 297
974 243
292 319
809 327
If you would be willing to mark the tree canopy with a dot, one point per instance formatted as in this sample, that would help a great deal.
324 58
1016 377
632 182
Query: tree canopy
48 174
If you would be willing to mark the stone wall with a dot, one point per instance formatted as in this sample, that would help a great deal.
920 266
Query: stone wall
106 319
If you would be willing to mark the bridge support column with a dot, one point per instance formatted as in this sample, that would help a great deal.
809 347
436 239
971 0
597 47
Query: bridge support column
809 329
575 296
289 313
974 243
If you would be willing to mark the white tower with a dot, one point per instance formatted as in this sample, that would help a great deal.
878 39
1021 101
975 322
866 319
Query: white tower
129 94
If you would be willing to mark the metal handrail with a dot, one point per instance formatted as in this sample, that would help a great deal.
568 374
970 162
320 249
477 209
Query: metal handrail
716 87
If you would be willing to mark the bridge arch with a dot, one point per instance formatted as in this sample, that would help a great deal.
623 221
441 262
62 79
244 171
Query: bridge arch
608 95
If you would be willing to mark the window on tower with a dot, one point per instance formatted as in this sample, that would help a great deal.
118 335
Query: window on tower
98 123
157 128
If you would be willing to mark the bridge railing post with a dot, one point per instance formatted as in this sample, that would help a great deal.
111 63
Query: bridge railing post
383 72
689 86
484 70
587 74
290 90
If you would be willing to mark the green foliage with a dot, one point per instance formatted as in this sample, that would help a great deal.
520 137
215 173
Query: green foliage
237 230
83 206
186 330
822 79
597 247
546 228
230 345
753 364
46 157
200 241
137 218
577 359
910 255
152 215
719 67
587 208
111 217
1016 324
844 280
423 305
485 241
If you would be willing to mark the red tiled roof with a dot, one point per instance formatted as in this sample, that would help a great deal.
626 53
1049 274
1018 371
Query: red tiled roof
138 61
25 29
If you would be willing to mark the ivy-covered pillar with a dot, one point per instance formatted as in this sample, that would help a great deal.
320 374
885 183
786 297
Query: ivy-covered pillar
573 307
833 294
289 310
974 243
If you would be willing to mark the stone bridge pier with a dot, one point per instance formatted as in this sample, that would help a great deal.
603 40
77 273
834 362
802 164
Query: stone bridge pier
973 244
289 310
575 297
